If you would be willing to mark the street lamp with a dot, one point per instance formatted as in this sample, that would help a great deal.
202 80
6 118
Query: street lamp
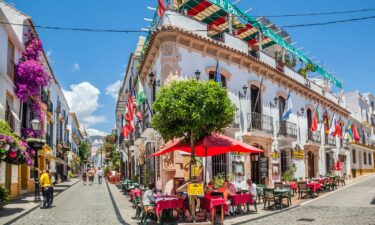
244 88
274 105
301 112
36 144
197 74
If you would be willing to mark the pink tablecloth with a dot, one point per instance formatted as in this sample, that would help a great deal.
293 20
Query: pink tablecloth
135 193
314 186
209 203
293 185
169 204
241 199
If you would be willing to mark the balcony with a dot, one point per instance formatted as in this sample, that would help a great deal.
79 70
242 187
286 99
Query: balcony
287 129
344 144
313 137
330 141
260 122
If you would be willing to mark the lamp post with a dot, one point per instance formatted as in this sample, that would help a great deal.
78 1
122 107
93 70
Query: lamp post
36 144
240 95
197 74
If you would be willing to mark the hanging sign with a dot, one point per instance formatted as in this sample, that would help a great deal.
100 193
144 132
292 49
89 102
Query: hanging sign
195 189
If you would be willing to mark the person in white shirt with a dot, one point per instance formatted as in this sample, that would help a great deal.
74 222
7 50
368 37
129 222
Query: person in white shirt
100 175
252 189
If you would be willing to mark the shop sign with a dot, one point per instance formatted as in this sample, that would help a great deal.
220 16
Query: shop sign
298 154
263 166
275 155
195 189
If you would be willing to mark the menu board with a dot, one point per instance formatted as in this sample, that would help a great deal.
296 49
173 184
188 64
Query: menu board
263 166
195 189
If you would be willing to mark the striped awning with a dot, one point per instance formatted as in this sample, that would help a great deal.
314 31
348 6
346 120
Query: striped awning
216 19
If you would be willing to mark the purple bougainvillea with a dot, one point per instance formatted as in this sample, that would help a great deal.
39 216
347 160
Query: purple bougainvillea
30 75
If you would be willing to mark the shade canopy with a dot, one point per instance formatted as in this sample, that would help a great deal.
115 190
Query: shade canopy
215 144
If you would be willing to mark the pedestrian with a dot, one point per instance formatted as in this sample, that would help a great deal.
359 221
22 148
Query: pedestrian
53 182
84 177
91 175
100 175
45 183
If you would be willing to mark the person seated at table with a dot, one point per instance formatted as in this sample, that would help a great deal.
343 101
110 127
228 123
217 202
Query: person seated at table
252 189
149 200
209 188
228 190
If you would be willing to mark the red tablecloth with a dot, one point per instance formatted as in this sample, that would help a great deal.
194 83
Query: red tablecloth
169 204
135 193
314 186
293 185
241 199
209 203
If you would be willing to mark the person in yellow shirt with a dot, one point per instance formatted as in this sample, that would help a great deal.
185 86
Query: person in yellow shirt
45 182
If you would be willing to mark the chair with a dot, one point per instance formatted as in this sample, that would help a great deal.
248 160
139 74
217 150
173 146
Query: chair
269 196
303 189
287 195
146 215
278 185
260 188
333 183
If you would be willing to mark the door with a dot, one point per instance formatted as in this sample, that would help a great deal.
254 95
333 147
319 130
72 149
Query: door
311 164
282 128
8 177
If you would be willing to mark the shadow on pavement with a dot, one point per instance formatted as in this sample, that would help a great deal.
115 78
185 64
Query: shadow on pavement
10 211
117 211
373 201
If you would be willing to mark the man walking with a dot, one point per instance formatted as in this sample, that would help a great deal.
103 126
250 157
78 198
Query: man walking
45 183
100 175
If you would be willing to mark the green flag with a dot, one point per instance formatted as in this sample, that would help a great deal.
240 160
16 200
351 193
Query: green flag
141 96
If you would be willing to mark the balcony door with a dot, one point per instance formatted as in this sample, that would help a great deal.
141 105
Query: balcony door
309 122
256 107
311 164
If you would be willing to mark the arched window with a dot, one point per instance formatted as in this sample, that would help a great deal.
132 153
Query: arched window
256 96
282 130
223 78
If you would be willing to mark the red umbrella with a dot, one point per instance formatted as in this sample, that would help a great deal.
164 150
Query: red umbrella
215 144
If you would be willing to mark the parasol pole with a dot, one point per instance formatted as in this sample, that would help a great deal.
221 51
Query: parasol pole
205 164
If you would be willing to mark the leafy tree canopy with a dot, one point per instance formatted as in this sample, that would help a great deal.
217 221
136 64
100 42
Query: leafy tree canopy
84 150
192 108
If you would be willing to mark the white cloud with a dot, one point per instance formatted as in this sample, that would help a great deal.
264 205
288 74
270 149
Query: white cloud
76 68
113 89
83 99
95 132
49 55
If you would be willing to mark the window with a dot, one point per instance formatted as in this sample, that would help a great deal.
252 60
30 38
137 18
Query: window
223 78
9 112
10 60
219 165
369 159
364 158
256 97
354 156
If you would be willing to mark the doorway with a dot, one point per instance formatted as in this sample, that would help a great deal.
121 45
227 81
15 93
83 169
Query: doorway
255 166
311 164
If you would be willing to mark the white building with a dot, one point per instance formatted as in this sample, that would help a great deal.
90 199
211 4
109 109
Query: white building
180 46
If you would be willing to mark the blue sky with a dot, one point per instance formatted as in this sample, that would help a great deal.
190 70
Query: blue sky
89 63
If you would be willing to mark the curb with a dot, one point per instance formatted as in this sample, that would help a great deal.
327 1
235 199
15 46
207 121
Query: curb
36 206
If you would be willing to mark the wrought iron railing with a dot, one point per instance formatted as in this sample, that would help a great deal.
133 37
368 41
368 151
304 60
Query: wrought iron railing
287 129
313 137
330 140
260 122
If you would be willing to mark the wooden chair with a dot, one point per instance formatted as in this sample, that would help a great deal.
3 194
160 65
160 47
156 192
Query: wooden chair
288 195
269 196
278 185
303 189
260 192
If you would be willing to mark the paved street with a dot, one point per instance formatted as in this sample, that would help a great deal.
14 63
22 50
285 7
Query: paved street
353 205
78 205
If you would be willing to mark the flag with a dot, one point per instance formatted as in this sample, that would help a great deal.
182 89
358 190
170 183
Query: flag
314 123
326 122
288 110
217 73
141 96
349 131
338 130
355 133
332 126
161 7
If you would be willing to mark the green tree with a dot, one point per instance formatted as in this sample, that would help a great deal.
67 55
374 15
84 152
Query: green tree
192 109
84 150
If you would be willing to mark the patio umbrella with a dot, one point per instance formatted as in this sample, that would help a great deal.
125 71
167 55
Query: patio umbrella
215 144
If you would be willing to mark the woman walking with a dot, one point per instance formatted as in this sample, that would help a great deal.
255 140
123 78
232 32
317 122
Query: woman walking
84 177
91 175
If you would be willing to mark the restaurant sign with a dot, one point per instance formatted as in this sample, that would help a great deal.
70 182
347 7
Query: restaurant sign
298 154
195 189
263 167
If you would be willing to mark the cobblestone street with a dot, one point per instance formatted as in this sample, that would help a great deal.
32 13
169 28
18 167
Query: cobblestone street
78 205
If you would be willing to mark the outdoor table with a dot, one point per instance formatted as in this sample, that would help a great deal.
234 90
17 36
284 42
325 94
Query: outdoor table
210 202
293 186
240 199
280 192
169 202
314 186
134 193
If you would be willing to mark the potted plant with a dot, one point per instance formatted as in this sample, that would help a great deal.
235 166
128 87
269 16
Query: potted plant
279 61
290 62
4 196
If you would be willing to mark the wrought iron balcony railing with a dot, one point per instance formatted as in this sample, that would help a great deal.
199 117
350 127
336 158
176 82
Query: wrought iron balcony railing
260 122
330 140
287 129
313 137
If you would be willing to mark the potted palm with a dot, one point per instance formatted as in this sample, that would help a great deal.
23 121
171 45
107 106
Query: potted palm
279 61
